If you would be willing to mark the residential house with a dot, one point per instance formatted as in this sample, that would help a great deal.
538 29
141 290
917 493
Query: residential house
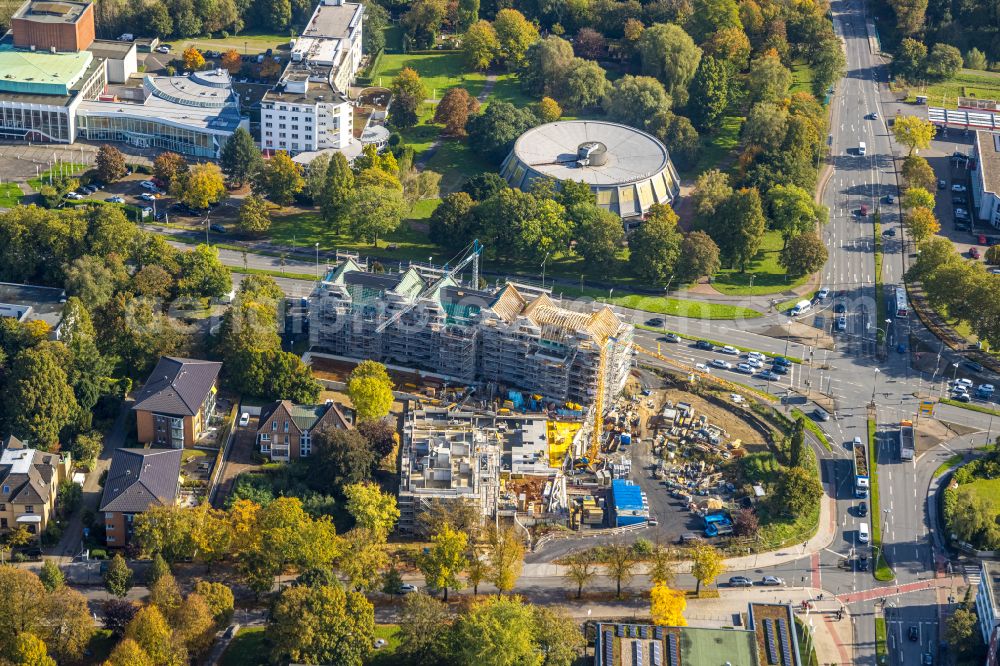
137 480
29 485
174 406
284 431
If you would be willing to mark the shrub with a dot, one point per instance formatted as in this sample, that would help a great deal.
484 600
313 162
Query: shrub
98 554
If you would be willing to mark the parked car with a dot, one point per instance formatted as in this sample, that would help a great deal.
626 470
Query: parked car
768 375
719 363
115 199
73 196
890 199
729 349
842 323
147 185
961 397
244 419
704 344
655 321
962 381
755 363
745 368
942 184
863 211
958 201
973 252
147 196
782 361
889 232
672 337
839 307
146 211
780 369
975 367
771 580
407 588
956 187
740 581
217 228
927 659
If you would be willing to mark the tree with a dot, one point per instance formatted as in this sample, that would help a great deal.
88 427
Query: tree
917 172
194 61
22 604
68 624
619 563
375 211
450 225
797 443
202 185
661 567
797 492
739 227
195 626
546 64
655 245
231 61
254 215
746 524
493 132
408 93
766 126
917 197
768 80
476 569
454 109
90 279
370 390
598 233
29 650
829 64
921 224
992 255
679 135
549 110
445 560
514 34
975 59
283 178
128 653
480 45
792 211
110 163
706 564
960 626
39 399
804 254
157 569
338 185
581 568
558 638
343 457
203 273
669 54
118 613
151 632
322 625
519 225
909 59
372 509
423 21
699 256
468 14
943 62
711 189
240 158
666 606
505 554
709 92
51 576
590 44
167 166
497 631
710 16
424 630
913 132
118 577
633 99
166 596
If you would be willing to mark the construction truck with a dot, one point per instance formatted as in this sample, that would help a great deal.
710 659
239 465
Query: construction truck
861 478
905 440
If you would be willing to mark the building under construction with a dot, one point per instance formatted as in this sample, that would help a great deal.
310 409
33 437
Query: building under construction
510 335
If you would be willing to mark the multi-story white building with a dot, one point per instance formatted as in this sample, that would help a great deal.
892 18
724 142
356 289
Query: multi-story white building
986 178
307 110
988 611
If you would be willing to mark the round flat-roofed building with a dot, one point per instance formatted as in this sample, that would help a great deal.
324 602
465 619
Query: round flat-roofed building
627 169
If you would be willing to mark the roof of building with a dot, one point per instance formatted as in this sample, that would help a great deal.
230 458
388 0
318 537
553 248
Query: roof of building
988 145
26 472
112 49
627 496
177 386
40 72
552 150
140 478
36 303
51 11
316 91
991 579
334 20
599 325
305 417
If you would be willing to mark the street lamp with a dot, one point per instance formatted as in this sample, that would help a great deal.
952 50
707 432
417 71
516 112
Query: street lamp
874 384
543 268
751 280
317 260
954 375
888 329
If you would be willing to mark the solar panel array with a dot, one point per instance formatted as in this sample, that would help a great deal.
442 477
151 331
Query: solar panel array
658 633
673 650
637 653
657 654
772 649
644 632
609 647
786 642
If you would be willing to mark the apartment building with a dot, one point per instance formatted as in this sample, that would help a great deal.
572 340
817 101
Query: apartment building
137 480
508 336
176 402
284 430
986 178
29 485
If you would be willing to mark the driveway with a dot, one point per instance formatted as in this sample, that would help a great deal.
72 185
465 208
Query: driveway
241 458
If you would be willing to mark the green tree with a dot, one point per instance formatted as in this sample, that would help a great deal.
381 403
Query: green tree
669 54
661 566
709 92
39 399
581 568
699 256
829 64
497 631
283 178
110 163
739 227
803 254
375 22
515 34
711 190
792 211
584 86
558 638
913 132
921 224
157 569
343 457
655 245
254 215
516 224
29 650
493 132
202 185
943 62
372 509
322 625
480 45
768 80
375 211
706 564
424 630
711 16
423 21
797 443
450 225
679 135
468 14
909 59
129 653
619 563
797 492
240 158
68 625
960 626
118 577
219 599
339 183
443 563
546 64
975 59
51 576
598 233
633 99
203 273
766 126
505 554
917 172
917 197
408 93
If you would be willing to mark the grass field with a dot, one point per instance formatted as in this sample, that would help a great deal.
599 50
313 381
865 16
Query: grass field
881 650
248 648
988 489
717 147
768 276
456 163
967 83
306 229
439 71
10 195
246 44
678 307
802 77
61 169
386 656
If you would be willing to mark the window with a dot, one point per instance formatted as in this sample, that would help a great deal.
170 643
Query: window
295 136
3 523
283 108
274 425
286 426
267 124
6 490
29 508
305 445
110 539
295 128
3 507
281 125
265 437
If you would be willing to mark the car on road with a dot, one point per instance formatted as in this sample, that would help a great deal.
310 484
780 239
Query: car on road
821 414
115 199
217 228
842 323
973 253
75 196
407 588
863 211
822 293
147 196
962 213
655 321
672 337
729 349
975 367
745 368
942 184
719 363
740 581
889 232
701 367
874 114
772 581
956 187
963 381
863 563
862 509
782 361
704 344
244 419
957 156
927 659
89 189
839 307
981 239
890 199
163 48
958 201
780 369
769 376
984 390
961 397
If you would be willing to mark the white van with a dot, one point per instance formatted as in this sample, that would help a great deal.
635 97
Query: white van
801 307
862 148
863 533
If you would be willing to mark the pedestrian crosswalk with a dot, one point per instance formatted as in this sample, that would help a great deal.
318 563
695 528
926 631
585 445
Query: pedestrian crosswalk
972 573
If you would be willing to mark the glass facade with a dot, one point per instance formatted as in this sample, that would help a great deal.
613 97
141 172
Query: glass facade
148 133
35 124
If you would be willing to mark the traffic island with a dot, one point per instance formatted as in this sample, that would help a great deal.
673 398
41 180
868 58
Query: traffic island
882 571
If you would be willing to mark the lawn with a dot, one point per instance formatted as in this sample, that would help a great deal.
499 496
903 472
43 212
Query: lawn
678 307
881 650
780 534
813 427
306 229
248 648
10 195
251 42
386 656
60 169
988 489
439 71
967 83
947 465
767 275
717 147
802 77
456 163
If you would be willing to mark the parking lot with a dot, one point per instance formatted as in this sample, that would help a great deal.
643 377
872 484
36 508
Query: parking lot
954 209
